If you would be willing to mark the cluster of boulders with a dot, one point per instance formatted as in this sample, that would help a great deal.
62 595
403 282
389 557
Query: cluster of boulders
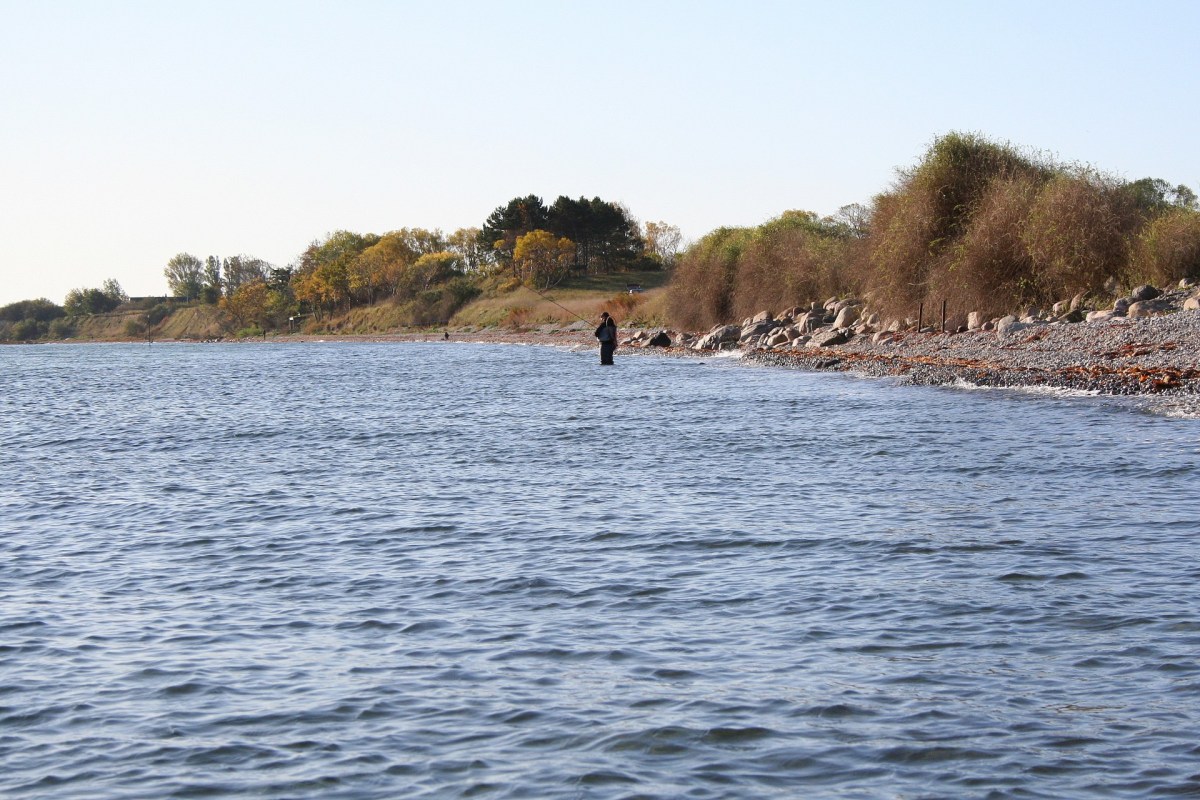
836 321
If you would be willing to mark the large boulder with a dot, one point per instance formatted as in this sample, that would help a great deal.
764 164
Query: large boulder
1191 304
1078 301
975 321
1144 292
810 321
718 337
1147 308
829 338
1009 324
777 338
846 316
756 329
660 339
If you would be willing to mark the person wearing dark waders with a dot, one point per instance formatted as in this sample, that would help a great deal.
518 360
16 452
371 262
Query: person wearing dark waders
607 334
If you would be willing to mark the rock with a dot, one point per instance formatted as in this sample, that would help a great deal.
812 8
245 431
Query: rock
1121 306
759 328
829 338
1074 315
809 321
989 326
1078 301
883 337
1009 324
762 316
660 339
1191 304
718 337
829 304
777 338
791 313
1100 316
872 320
1144 292
1061 307
846 317
1147 308
800 341
1186 283
974 321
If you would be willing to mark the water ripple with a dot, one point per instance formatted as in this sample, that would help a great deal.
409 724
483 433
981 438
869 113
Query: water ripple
371 571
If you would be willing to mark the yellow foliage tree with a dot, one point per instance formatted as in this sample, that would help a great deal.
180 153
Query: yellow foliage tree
541 260
248 304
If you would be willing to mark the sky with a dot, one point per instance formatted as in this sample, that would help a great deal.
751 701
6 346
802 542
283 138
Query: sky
132 131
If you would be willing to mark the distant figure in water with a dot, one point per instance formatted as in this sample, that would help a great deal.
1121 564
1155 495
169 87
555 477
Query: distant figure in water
607 334
446 334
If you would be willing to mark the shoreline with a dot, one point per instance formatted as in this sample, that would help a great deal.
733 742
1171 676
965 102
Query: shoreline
1147 357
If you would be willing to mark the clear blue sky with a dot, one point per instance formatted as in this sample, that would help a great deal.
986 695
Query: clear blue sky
132 131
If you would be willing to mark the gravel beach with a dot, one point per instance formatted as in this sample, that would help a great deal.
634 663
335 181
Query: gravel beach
1154 357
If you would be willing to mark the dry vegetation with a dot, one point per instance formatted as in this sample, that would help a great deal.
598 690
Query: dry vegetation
981 225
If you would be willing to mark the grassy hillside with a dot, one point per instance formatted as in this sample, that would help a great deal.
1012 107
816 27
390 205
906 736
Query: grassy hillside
517 306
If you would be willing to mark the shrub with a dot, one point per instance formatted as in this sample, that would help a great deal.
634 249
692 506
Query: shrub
1077 234
158 313
1169 248
792 259
989 269
702 286
27 330
62 328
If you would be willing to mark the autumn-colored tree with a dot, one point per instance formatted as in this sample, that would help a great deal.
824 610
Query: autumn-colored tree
249 303
509 222
323 279
541 260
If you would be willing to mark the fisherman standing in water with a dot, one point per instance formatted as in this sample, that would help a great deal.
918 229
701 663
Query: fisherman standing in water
607 334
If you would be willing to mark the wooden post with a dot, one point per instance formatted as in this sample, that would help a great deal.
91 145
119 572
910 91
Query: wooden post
943 316
920 317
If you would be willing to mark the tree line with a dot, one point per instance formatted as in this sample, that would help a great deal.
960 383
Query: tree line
982 225
429 273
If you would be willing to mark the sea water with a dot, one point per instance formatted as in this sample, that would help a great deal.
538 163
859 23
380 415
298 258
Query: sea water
443 570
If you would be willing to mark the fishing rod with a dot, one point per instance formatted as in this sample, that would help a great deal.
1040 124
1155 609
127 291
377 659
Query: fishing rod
560 305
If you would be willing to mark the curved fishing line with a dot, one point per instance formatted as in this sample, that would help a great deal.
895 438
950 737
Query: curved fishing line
560 305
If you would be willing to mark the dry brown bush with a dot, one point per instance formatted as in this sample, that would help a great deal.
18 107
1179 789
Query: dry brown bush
1169 248
989 269
792 260
702 284
1077 234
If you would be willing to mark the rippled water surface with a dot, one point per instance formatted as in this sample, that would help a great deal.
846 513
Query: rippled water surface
429 570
